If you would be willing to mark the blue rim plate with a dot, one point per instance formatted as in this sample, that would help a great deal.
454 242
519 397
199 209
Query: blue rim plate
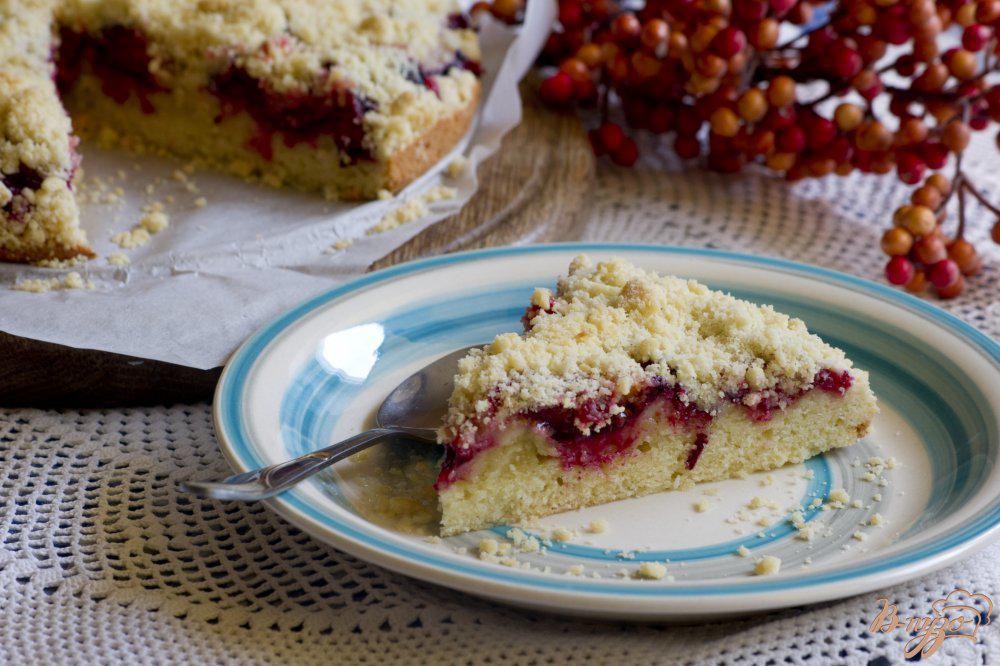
317 372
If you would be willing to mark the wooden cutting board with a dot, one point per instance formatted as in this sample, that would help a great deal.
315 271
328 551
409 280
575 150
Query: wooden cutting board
530 190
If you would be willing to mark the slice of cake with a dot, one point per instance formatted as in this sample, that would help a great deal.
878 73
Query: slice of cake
627 383
38 214
345 97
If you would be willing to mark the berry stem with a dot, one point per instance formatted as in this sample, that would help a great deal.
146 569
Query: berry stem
960 232
980 197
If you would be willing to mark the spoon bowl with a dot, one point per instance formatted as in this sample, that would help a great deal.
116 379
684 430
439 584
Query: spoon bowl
412 410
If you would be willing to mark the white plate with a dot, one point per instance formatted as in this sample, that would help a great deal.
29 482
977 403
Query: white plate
317 373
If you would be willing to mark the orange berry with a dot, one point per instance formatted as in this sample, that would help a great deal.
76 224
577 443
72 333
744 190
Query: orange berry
963 253
765 37
927 195
873 136
966 15
848 116
930 250
962 64
939 182
781 91
956 135
752 105
919 220
897 241
912 130
785 161
575 68
918 283
725 122
655 34
590 54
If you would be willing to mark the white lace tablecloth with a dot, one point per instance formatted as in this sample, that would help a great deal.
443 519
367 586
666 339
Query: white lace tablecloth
103 561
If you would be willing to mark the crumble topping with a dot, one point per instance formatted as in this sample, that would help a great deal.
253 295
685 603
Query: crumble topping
612 328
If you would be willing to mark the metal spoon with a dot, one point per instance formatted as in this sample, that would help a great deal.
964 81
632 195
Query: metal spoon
413 410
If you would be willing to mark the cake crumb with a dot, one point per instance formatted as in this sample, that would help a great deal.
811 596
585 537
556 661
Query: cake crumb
858 536
767 480
839 496
131 239
522 541
154 219
575 570
488 547
876 520
857 504
200 202
72 280
807 532
341 244
702 505
118 259
411 210
758 502
711 492
458 166
439 193
383 195
877 497
562 534
651 571
891 463
743 551
767 566
598 526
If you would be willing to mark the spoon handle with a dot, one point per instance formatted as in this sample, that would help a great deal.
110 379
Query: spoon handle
269 481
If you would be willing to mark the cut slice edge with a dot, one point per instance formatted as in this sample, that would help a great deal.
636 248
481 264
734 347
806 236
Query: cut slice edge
521 479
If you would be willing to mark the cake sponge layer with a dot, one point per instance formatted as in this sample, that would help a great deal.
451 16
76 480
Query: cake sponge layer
520 478
187 123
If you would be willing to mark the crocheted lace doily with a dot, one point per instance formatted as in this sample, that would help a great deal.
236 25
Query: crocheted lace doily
103 560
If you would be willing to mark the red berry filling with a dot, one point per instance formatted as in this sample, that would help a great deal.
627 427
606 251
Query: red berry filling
117 56
600 429
301 117
25 178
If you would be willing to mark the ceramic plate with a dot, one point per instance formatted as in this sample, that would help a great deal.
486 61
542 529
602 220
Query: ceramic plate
317 373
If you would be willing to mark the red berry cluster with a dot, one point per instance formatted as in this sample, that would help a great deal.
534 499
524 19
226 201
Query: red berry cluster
713 73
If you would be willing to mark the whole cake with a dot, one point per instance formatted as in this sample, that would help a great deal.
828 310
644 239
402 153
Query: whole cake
347 97
627 383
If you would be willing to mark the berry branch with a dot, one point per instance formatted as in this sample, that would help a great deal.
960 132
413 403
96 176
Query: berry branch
712 74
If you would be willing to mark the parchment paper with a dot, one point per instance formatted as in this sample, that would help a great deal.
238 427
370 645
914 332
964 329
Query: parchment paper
197 289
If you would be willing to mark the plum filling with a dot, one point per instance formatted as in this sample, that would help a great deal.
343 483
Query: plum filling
25 178
117 56
771 402
421 75
301 117
599 429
